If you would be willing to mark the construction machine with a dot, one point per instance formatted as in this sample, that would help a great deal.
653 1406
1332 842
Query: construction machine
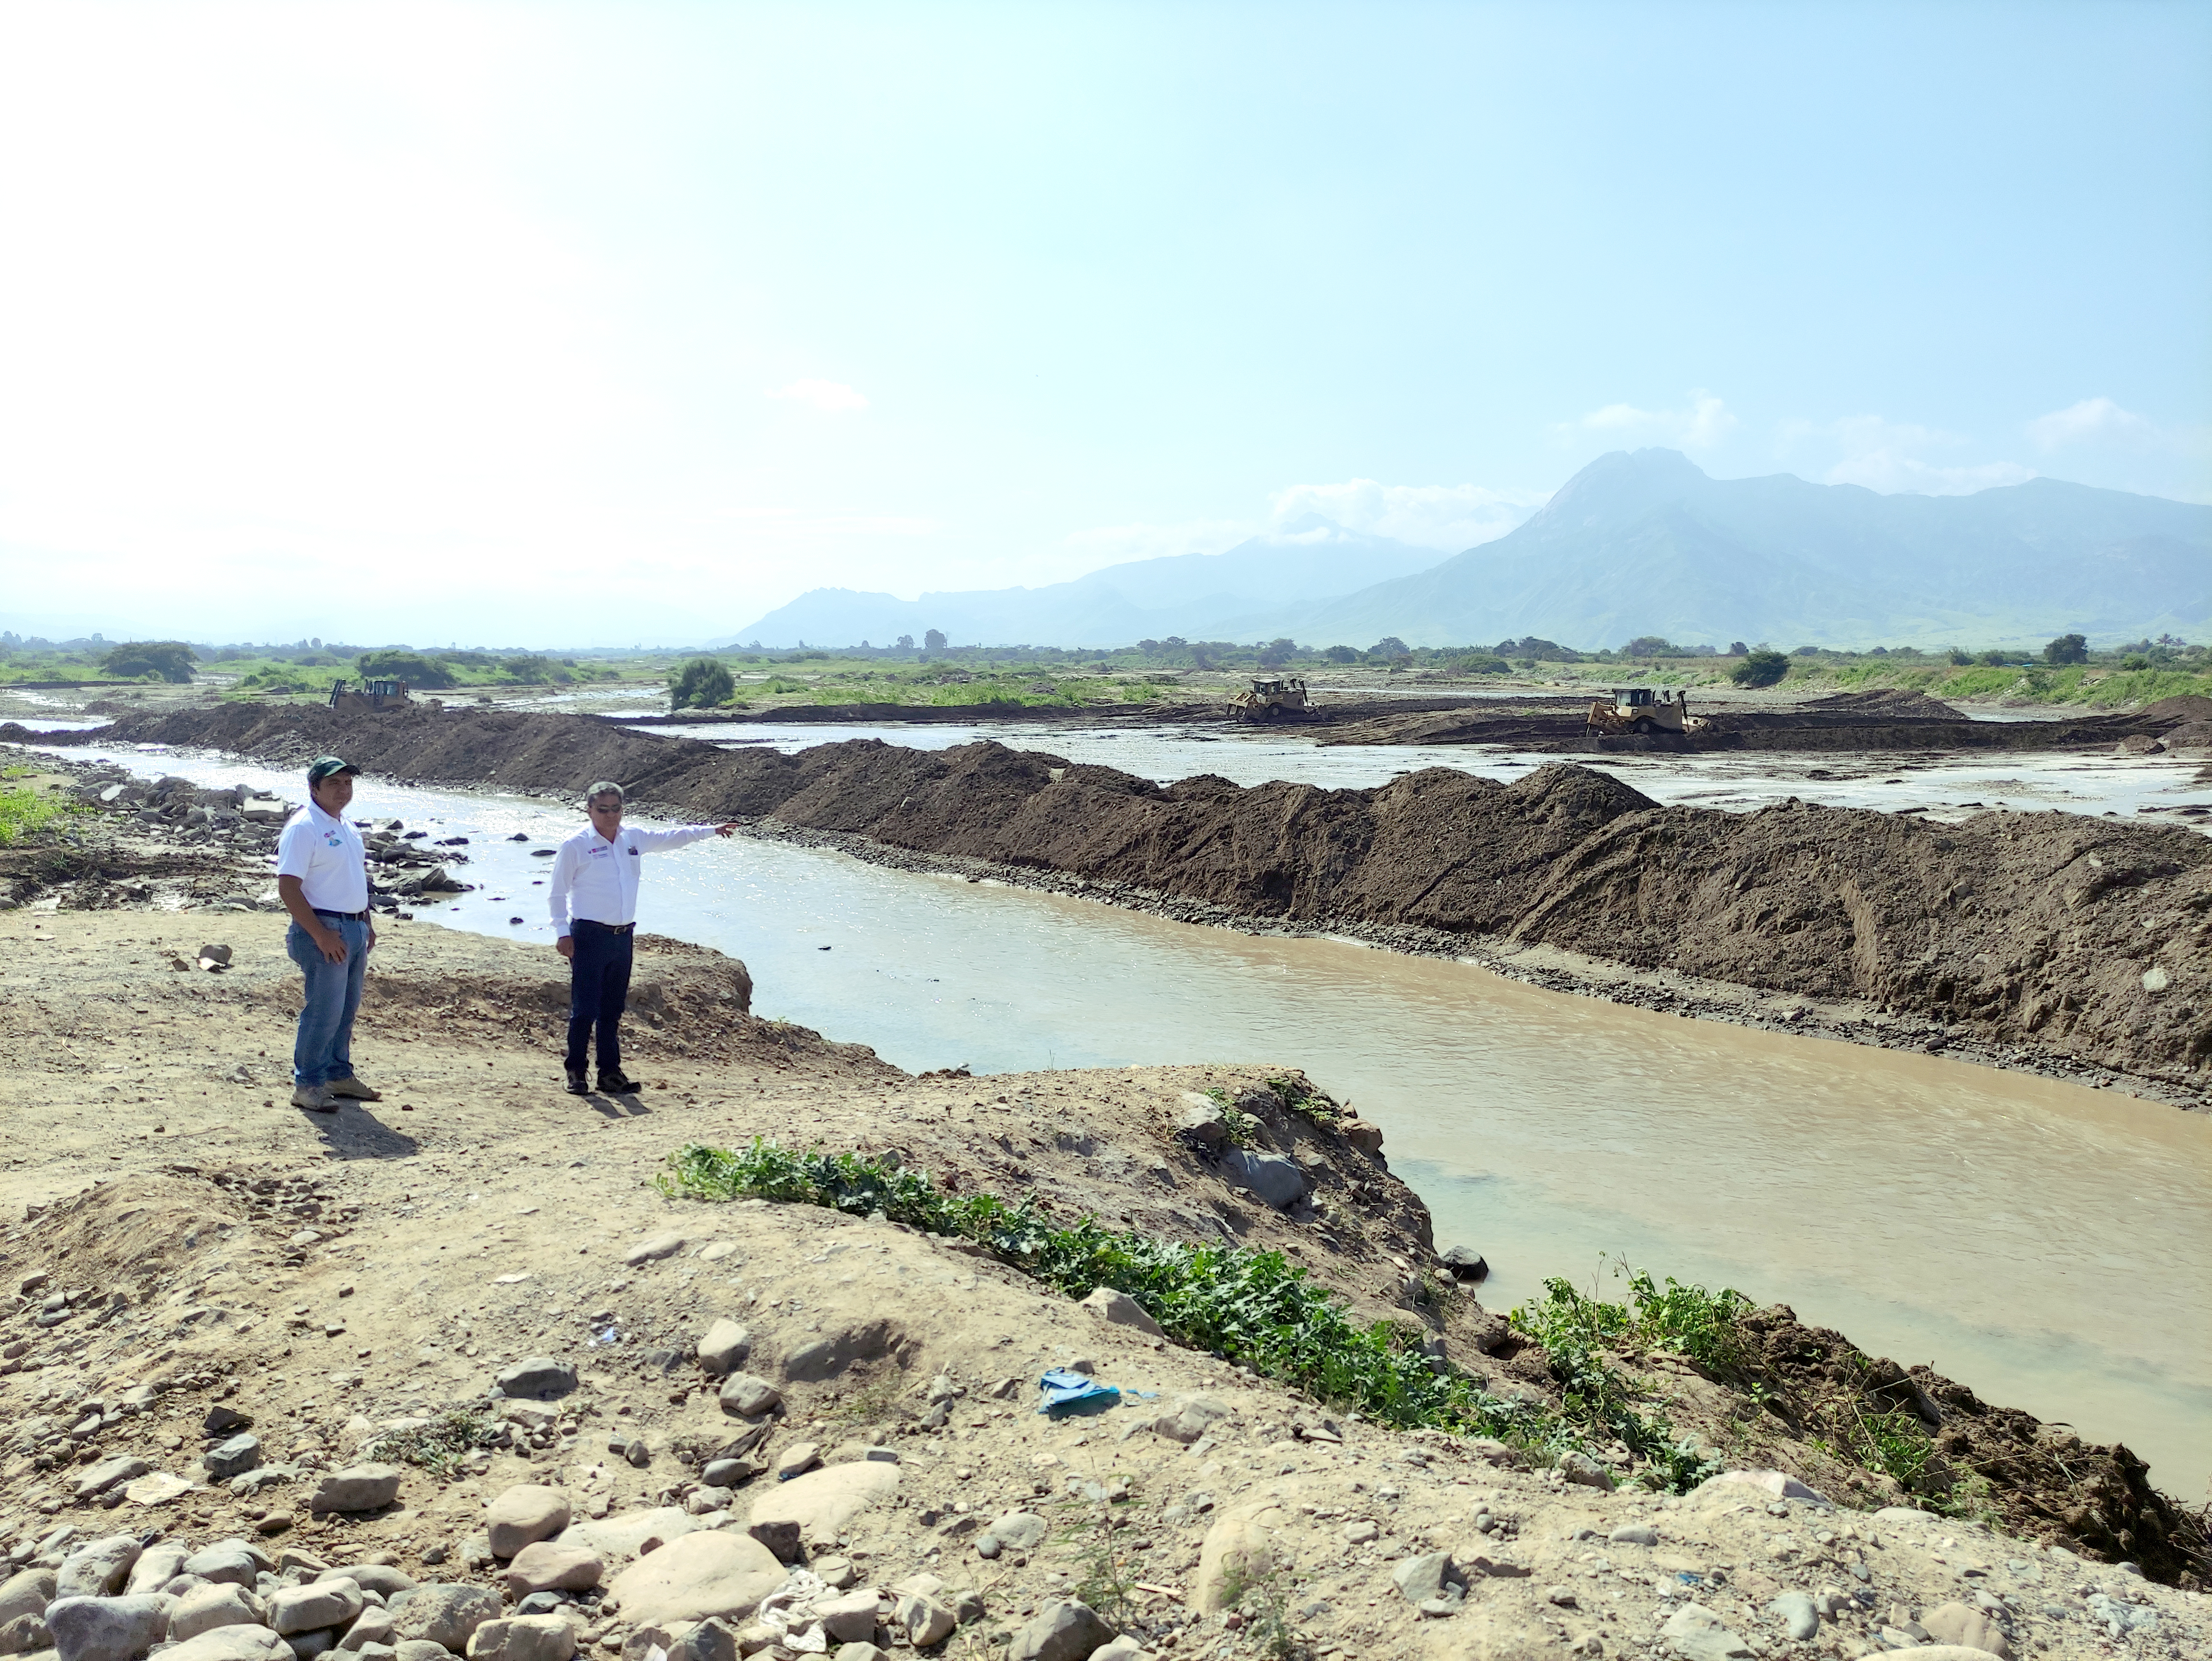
375 693
1641 709
1272 697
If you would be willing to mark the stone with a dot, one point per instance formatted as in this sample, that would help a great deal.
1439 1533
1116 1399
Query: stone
652 1251
156 1567
233 1457
372 1626
206 1607
1274 1177
444 1614
320 1603
1772 1482
416 1649
1697 1634
526 1513
98 1568
710 1640
108 1628
749 1395
27 1593
539 1378
797 1460
724 1348
227 1560
1430 1575
824 1502
1581 1468
1065 1631
847 1620
1200 1122
1971 1628
381 1579
926 1620
1191 1417
96 1480
1634 1534
728 1473
837 1573
1466 1263
25 1634
1024 1531
1124 1648
1799 1618
781 1537
1360 1533
630 1533
315 1642
1235 1554
860 1653
702 1574
2155 979
1120 1309
550 1565
156 1488
357 1488
1560 1596
233 1643
524 1637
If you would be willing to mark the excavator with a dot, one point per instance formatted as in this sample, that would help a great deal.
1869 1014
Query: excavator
1641 710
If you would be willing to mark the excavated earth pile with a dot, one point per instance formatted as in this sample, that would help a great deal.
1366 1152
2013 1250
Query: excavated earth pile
2053 933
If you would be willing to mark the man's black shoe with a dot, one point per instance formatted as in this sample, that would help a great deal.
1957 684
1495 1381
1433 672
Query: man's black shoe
577 1082
616 1084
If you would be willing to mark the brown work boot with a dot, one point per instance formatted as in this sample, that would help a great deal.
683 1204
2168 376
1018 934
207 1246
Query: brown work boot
353 1090
315 1098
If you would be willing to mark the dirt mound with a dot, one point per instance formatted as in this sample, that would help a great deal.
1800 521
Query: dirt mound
2191 709
1888 704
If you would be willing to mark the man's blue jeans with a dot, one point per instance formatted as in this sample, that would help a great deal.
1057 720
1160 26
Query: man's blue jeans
599 989
322 1052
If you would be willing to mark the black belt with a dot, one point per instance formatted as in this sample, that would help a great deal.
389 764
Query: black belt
343 916
612 928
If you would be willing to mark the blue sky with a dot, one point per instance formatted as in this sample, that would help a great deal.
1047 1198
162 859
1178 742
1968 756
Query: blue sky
600 323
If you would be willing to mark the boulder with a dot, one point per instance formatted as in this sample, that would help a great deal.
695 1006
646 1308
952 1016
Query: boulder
97 1568
847 1620
1801 1620
315 1642
781 1537
232 1457
26 1593
700 1575
652 1251
1581 1468
96 1480
552 1565
724 1348
749 1395
1429 1576
1775 1484
379 1578
823 1502
320 1603
1466 1263
206 1607
1971 1628
414 1649
156 1567
1634 1534
524 1637
630 1533
526 1513
1235 1554
1200 1122
710 1640
372 1626
233 1643
1024 1531
1274 1177
1120 1309
1066 1631
108 1628
859 1653
226 1561
1191 1417
357 1488
541 1378
1697 1634
25 1634
926 1620
444 1615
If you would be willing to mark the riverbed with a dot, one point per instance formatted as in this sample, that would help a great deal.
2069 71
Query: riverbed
2041 1241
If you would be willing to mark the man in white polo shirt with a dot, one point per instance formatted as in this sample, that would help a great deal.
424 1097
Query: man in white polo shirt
322 877
592 894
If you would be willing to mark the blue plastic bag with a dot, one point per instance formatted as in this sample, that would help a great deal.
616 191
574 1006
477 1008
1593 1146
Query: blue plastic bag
1066 1394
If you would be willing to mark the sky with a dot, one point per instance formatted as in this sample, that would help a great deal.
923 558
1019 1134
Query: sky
609 323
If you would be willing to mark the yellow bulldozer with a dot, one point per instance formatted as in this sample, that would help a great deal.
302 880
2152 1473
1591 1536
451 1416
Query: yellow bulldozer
1272 697
1643 710
378 692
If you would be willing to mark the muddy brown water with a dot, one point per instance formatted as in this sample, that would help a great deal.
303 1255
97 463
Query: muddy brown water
2043 1243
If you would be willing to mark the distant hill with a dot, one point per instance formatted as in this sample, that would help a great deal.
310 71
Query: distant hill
1647 544
1196 596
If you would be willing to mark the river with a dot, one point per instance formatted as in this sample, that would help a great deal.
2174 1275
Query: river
2044 1243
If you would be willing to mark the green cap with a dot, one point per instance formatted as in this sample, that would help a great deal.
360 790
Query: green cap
323 767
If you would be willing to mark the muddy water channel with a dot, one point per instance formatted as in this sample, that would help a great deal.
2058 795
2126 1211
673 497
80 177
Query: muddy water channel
2046 1244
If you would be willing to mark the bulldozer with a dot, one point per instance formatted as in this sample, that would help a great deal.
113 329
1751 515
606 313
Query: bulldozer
375 693
1272 697
1641 710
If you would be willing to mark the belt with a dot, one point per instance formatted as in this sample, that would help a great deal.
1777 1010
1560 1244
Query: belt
611 927
343 917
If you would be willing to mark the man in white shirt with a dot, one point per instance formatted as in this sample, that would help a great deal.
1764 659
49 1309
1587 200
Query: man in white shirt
322 877
592 894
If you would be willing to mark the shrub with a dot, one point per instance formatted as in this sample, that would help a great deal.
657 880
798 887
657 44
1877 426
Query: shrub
701 684
2067 648
169 659
1762 666
417 670
26 812
530 668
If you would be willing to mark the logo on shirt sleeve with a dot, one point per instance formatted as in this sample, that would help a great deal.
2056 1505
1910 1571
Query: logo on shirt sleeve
633 853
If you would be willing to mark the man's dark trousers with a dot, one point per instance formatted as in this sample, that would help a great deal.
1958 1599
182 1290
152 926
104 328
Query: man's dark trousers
599 990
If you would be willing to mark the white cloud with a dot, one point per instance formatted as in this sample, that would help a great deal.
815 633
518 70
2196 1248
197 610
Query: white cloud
1447 516
1891 457
1699 425
830 397
2092 419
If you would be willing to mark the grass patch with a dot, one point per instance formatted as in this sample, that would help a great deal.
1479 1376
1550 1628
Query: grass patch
24 814
1301 1098
1242 1128
440 1447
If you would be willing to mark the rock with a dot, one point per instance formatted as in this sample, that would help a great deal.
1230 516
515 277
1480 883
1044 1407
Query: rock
828 1356
630 1533
1967 1627
1066 1631
109 1473
222 1421
156 1567
228 1560
1120 1309
1274 1176
860 1653
1234 1554
549 1566
2155 979
315 1642
1634 1534
781 1537
108 1628
542 1378
1799 1617
238 1642
379 1578
232 1458
749 1395
1200 1122
697 1576
526 1513
97 1568
1024 1531
1124 1648
724 1348
1562 1597
205 1608
926 1620
1910 1650
1431 1575
1191 1417
320 1603
797 1460
823 1502
26 1593
1581 1468
372 1626
1697 1634
710 1640
444 1614
1362 1133
1466 1263
1772 1482
850 1619
357 1488
1360 1533
652 1251
524 1637
413 1649
25 1634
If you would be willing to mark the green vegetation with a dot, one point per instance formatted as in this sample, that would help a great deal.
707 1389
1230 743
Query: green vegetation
24 814
701 684
151 660
1762 666
440 1447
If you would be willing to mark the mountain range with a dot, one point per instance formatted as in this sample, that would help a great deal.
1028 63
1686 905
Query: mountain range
1635 543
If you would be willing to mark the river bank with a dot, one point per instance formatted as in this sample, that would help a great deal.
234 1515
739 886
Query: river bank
2047 941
